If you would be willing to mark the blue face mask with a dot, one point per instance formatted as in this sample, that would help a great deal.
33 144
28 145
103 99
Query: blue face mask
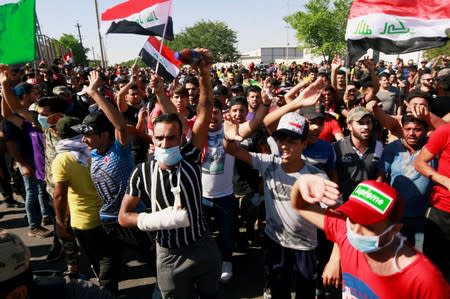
43 121
168 156
366 244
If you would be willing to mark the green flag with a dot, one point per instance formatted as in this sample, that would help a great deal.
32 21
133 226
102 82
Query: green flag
17 31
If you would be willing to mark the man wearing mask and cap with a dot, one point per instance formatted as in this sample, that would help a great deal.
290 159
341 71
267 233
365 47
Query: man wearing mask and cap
375 260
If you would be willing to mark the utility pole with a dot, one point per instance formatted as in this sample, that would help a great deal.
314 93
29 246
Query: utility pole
93 54
79 34
102 54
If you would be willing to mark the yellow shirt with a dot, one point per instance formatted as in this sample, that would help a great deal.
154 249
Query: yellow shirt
84 202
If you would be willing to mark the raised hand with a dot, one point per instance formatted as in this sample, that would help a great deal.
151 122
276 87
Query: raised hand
94 83
231 128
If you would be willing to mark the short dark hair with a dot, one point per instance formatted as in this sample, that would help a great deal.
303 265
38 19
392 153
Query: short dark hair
419 94
217 104
191 79
384 75
180 90
407 118
169 118
252 88
54 104
237 100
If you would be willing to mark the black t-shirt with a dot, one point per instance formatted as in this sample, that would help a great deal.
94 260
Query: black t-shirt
440 105
131 117
245 177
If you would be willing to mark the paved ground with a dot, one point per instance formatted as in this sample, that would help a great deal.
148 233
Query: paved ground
137 281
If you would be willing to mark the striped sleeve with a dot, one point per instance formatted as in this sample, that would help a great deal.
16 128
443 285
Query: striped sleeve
135 182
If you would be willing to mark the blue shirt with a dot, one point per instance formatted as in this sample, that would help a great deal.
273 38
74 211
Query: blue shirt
110 172
398 165
321 154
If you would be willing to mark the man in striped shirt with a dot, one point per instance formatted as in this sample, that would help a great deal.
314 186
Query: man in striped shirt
170 183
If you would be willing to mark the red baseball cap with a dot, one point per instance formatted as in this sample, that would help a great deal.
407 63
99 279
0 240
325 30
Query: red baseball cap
372 202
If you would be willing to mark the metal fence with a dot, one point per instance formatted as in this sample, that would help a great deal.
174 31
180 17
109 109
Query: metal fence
48 49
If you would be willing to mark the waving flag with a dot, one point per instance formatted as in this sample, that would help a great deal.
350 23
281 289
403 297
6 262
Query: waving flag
68 57
145 17
396 26
17 31
169 67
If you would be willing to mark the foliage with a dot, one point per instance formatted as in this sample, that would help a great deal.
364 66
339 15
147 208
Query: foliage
435 52
130 63
321 27
215 36
79 53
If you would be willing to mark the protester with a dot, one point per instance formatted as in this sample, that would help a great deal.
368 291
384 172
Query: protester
174 194
375 260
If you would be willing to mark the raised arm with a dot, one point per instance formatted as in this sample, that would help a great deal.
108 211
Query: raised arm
111 112
373 75
308 97
309 190
247 128
204 106
10 99
120 97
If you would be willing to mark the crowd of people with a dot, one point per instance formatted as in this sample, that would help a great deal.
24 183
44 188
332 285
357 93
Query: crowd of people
118 157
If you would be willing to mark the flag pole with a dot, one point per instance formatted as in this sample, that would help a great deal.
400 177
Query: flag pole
162 38
102 53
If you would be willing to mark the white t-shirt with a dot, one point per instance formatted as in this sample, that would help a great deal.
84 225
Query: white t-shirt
283 224
217 168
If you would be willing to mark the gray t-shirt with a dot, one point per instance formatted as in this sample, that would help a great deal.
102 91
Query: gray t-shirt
283 224
388 99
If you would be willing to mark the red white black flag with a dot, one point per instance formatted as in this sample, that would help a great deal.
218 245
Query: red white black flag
68 57
145 17
169 67
396 26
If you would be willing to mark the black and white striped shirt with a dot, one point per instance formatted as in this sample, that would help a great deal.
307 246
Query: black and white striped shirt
139 185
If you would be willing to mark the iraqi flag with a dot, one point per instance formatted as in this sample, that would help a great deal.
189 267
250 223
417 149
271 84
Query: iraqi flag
169 67
68 57
145 17
396 26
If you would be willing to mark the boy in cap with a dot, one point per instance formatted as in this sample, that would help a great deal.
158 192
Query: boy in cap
375 261
17 281
290 239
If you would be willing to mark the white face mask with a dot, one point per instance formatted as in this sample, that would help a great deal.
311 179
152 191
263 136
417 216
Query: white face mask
366 244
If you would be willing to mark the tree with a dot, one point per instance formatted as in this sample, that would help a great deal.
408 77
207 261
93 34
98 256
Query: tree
435 52
322 26
215 36
79 53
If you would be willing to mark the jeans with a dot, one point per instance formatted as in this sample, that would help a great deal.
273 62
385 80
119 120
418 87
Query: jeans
281 264
35 193
436 244
223 210
100 251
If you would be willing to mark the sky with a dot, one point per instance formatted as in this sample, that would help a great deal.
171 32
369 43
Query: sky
258 23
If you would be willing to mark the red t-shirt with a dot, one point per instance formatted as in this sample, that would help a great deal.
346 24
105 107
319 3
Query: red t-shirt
439 144
420 279
330 127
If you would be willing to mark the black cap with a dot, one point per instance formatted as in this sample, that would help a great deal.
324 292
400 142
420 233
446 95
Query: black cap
95 122
64 127
310 113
